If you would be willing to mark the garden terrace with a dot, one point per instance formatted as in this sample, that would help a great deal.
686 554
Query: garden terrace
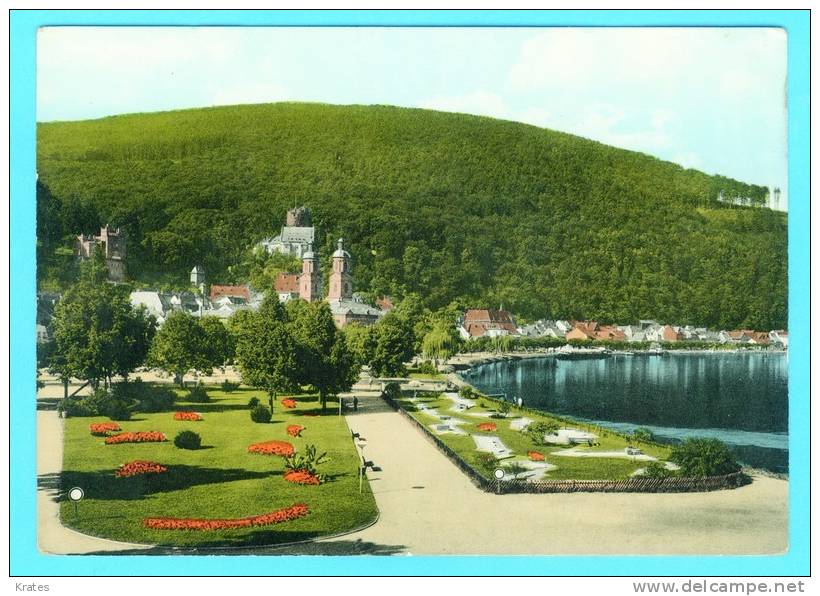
427 409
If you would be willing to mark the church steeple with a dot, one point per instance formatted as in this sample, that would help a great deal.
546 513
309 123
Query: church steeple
341 283
310 282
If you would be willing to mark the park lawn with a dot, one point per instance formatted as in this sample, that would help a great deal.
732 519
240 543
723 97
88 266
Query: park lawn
569 468
220 480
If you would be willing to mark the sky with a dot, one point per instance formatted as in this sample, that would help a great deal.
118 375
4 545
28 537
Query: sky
713 99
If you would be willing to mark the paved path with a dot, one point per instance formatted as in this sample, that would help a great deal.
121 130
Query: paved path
428 506
52 537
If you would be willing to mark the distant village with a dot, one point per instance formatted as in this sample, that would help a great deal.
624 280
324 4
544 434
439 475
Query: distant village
297 238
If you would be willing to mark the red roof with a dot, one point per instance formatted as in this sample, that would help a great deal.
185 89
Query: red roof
477 321
610 332
232 291
385 303
287 282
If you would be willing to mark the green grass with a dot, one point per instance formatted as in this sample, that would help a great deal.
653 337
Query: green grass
220 480
569 468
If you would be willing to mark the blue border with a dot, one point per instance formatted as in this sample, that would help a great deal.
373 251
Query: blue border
25 559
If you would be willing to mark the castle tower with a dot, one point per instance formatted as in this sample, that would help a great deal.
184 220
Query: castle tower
299 217
341 283
310 282
776 198
198 278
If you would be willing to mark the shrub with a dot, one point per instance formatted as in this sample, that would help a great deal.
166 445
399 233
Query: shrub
536 431
261 414
392 390
703 457
229 387
487 462
428 368
187 439
467 392
95 404
75 408
253 402
504 408
643 434
116 410
143 397
306 463
197 394
656 469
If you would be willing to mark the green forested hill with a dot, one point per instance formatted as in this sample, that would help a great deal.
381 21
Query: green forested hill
450 206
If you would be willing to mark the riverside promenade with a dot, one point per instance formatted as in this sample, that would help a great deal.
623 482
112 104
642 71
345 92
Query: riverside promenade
428 507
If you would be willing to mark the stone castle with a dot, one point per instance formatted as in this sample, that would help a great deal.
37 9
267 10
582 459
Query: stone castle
112 242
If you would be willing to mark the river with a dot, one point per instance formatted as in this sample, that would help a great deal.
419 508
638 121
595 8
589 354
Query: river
740 398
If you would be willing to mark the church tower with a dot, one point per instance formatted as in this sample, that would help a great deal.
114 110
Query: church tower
310 282
341 284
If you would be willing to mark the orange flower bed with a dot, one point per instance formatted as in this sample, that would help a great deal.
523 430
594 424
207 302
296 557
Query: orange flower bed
138 467
535 455
487 426
180 523
289 403
101 429
295 430
191 416
138 437
301 477
282 448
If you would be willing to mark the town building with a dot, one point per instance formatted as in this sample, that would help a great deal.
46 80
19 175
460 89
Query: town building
296 236
286 286
234 294
198 278
487 322
344 304
112 242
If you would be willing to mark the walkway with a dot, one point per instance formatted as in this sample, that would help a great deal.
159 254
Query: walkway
52 537
429 507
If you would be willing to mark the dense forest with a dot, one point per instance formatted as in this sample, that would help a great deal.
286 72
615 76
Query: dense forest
455 208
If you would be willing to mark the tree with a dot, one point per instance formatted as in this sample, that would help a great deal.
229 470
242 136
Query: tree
703 457
266 351
441 342
219 341
361 341
181 345
394 346
325 360
98 334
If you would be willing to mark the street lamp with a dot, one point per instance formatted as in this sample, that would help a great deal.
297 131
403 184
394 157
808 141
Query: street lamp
76 495
361 444
499 474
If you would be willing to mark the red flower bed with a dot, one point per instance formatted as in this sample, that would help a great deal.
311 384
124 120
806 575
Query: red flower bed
191 416
282 448
138 437
486 426
101 429
535 455
138 467
289 403
301 477
180 523
295 430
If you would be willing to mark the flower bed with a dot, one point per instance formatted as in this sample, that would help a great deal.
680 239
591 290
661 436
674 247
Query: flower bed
295 430
150 436
535 455
101 429
189 416
139 467
289 403
282 448
486 427
301 477
275 517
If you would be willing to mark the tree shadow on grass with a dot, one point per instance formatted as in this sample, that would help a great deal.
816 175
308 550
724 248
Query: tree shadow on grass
104 485
246 546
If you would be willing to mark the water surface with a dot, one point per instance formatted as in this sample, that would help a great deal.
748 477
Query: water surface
740 398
